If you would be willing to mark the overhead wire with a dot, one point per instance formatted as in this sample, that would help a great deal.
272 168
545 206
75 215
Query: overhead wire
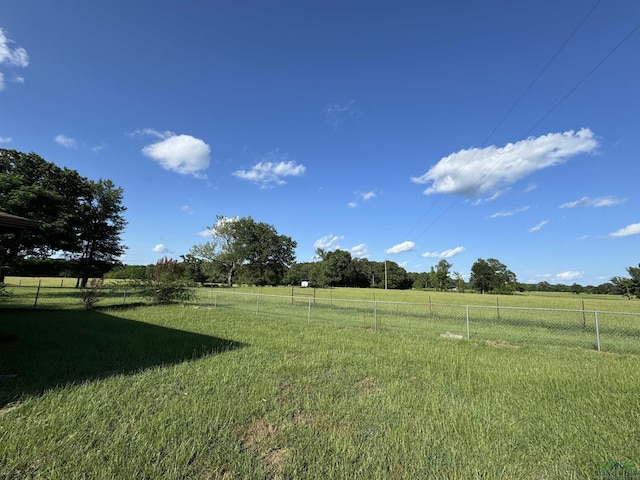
539 121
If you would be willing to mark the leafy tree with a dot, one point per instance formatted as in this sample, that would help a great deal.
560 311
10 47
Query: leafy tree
194 268
39 190
442 279
334 267
241 246
99 229
492 276
481 276
76 216
628 286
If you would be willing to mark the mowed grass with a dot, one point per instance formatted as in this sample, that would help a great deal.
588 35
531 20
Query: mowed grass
179 392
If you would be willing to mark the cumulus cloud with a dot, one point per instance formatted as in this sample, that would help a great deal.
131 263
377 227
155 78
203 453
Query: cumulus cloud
182 154
5 139
509 213
479 171
538 226
11 56
444 254
270 171
633 229
568 276
595 202
352 204
66 142
359 251
160 248
328 242
335 112
401 248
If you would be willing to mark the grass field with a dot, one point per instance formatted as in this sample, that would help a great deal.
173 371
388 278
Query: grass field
183 392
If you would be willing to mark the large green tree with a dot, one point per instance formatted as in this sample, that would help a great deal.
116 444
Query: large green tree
491 275
242 247
77 217
98 229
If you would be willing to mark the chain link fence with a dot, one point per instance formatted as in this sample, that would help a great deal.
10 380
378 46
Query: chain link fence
499 326
606 331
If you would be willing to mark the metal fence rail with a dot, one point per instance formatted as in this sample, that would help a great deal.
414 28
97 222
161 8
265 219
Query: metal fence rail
501 326
497 325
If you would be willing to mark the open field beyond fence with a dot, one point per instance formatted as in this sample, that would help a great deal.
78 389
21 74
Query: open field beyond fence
602 323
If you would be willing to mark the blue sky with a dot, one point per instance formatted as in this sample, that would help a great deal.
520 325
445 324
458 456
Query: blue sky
407 131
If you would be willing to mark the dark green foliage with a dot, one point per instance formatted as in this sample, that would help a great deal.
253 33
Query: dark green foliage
77 216
168 283
244 249
492 276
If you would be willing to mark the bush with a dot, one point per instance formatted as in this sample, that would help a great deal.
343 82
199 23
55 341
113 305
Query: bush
90 296
4 291
168 283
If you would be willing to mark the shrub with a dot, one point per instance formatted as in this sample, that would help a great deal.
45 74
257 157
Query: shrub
90 296
168 283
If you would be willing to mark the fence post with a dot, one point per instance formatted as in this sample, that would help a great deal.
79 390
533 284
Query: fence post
468 334
124 296
309 312
257 302
37 293
215 302
375 316
597 331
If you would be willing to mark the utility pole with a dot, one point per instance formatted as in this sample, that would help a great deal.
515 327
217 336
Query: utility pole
385 273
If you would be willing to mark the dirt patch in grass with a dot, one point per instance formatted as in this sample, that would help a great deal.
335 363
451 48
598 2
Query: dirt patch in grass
264 440
501 344
368 386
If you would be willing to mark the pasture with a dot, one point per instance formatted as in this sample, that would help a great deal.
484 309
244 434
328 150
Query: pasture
184 392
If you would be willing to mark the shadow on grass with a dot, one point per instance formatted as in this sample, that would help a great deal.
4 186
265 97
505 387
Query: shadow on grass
43 349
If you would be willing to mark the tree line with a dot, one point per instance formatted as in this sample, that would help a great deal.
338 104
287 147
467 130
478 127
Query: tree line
80 222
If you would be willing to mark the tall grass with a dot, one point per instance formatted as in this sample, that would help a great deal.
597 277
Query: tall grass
178 392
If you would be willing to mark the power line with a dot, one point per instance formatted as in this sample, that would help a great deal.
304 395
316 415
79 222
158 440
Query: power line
511 109
537 123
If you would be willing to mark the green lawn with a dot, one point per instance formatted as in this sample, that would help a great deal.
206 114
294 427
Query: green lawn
179 392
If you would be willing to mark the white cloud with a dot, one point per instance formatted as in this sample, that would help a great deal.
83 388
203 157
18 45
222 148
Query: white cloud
328 242
143 132
269 171
66 142
6 139
334 112
368 195
530 188
401 248
478 171
352 204
493 197
359 251
160 248
11 57
182 154
187 209
595 202
444 254
538 226
568 276
509 213
633 229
